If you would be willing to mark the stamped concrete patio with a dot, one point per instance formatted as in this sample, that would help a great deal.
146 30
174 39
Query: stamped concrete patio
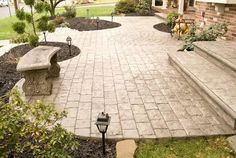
125 72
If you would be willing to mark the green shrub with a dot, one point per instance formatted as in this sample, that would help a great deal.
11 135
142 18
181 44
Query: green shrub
42 21
20 14
19 27
24 130
21 38
170 16
39 7
210 34
28 18
51 27
125 6
33 40
143 7
70 12
29 2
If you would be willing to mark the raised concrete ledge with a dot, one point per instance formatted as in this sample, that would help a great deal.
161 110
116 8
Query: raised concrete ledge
218 105
204 49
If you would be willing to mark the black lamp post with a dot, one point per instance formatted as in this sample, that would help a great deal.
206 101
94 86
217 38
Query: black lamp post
97 20
112 14
68 40
44 35
103 121
87 13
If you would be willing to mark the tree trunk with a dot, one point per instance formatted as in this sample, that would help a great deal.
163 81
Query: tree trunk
33 25
52 12
15 4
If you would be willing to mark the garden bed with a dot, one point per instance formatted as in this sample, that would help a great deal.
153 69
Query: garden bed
137 14
8 62
87 148
83 24
93 149
163 27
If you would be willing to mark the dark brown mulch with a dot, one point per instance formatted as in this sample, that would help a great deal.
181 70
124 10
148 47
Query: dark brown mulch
93 149
88 148
8 74
82 24
163 27
136 14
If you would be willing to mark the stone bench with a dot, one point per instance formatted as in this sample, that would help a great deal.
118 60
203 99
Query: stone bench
38 66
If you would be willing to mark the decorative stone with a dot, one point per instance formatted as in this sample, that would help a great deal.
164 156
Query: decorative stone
125 149
232 142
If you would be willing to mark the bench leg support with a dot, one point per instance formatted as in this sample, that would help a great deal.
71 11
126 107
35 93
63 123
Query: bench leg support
37 83
54 70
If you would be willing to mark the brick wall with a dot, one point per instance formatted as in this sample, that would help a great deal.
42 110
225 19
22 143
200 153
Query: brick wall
229 15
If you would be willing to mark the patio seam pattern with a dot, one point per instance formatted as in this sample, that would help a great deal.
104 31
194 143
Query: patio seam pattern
125 71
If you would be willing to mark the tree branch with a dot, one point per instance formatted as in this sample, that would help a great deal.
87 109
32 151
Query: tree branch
58 2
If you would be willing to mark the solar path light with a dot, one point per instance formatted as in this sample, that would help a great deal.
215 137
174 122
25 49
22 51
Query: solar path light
68 40
102 123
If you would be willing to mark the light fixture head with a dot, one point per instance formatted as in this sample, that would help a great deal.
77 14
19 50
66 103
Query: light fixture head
97 19
68 40
103 121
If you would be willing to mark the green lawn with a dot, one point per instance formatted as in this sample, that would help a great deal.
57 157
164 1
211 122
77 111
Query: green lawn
93 11
191 148
105 1
6 31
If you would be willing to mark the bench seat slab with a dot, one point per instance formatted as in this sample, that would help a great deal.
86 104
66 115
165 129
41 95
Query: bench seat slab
37 58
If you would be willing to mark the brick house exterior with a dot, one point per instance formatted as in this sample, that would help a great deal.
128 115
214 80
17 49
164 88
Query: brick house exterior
218 13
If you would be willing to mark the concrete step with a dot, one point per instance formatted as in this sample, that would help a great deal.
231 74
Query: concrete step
221 53
161 15
213 84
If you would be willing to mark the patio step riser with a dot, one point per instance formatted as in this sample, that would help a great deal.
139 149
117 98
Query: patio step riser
217 60
216 104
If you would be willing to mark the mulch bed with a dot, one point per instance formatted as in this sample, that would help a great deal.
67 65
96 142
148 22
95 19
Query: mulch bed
83 24
87 148
93 149
8 62
136 14
163 27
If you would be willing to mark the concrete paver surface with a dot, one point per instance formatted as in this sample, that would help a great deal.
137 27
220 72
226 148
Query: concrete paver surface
125 72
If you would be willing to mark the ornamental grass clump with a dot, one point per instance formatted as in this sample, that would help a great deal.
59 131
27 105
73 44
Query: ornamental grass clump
31 130
70 12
